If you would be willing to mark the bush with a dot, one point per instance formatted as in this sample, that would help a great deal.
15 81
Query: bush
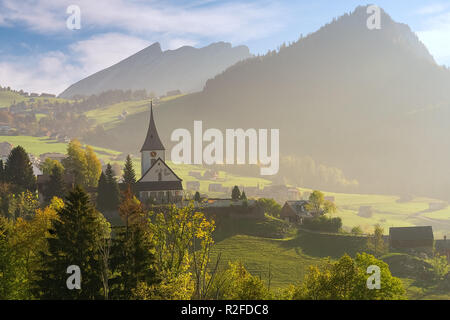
323 223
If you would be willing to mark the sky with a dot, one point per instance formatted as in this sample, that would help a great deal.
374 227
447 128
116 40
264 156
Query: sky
39 53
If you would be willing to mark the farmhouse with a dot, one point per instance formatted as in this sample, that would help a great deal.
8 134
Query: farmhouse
158 182
295 211
419 239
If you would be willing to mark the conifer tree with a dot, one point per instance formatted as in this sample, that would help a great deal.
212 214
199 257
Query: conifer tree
243 196
55 187
2 171
75 238
108 191
19 171
132 257
129 175
235 193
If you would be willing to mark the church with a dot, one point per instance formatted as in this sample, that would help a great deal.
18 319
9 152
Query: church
158 182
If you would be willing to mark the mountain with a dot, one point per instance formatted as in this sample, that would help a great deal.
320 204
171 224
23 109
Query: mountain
157 71
373 103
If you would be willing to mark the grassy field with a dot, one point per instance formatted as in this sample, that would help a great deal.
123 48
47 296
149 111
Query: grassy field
8 97
109 116
388 212
40 145
287 259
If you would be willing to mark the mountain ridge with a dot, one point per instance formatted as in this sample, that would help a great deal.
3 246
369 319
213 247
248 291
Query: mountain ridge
186 69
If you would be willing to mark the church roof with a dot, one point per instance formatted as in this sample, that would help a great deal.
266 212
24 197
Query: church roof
164 164
152 141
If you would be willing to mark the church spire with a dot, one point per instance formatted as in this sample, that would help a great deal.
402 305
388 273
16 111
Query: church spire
152 141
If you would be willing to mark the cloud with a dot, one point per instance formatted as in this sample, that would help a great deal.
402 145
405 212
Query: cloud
435 34
115 29
54 71
102 51
230 20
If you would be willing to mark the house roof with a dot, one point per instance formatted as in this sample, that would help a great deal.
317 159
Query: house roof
299 206
411 233
152 141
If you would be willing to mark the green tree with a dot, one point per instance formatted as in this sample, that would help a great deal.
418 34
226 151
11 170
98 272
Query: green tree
375 243
76 163
269 206
129 175
239 284
183 243
48 165
243 196
74 240
346 279
9 268
19 171
2 172
93 168
108 197
197 197
357 230
132 253
235 193
317 205
55 187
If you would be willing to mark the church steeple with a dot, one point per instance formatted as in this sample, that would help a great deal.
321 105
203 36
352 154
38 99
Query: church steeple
153 147
152 141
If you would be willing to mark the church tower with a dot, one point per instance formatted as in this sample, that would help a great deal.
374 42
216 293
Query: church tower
153 148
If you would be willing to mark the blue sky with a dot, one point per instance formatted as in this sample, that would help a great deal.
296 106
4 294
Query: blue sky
39 53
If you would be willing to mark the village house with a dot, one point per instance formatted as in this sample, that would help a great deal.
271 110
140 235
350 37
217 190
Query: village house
53 156
193 185
5 149
295 211
412 239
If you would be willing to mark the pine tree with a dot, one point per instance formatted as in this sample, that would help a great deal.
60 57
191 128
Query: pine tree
197 197
129 175
2 172
55 187
132 258
235 193
75 239
108 191
243 196
19 171
102 193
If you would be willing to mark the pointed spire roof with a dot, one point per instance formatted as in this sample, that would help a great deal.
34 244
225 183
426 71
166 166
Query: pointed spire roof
152 141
